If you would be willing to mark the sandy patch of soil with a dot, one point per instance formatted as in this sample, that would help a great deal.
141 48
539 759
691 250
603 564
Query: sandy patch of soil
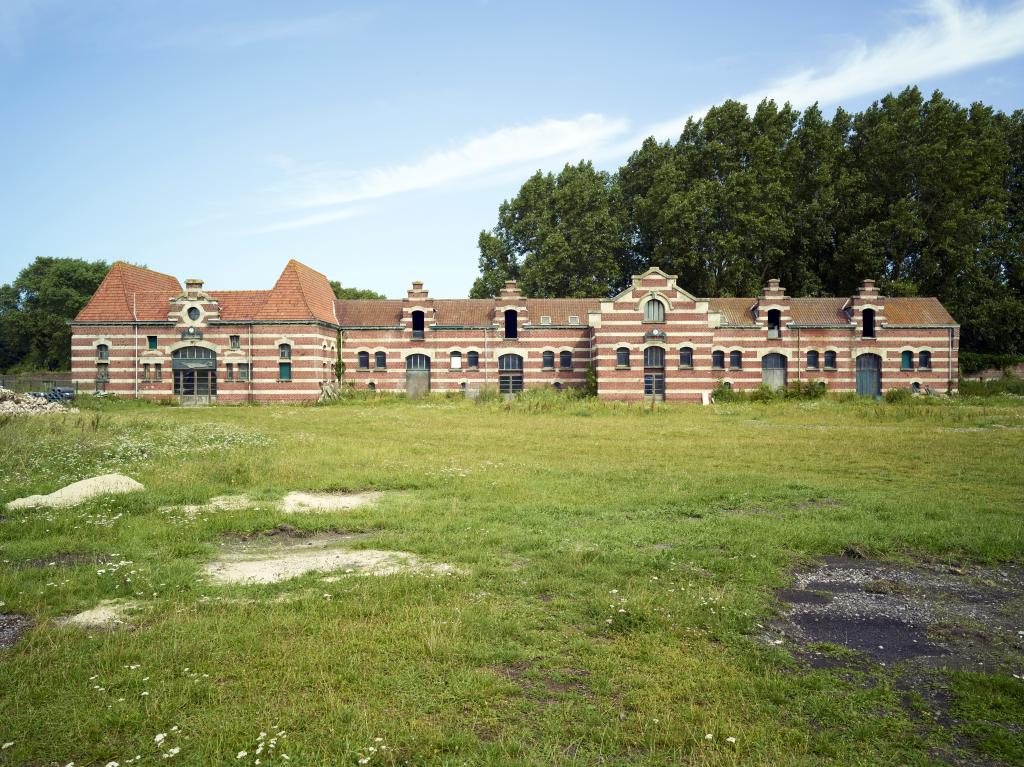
79 492
108 614
217 503
298 501
287 556
12 626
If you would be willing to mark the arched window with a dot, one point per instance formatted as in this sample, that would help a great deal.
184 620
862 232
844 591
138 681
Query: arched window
654 311
907 361
654 357
736 360
774 323
102 352
924 360
510 362
622 357
511 323
364 360
417 324
371 386
548 360
830 360
868 328
812 360
686 357
718 360
285 351
473 359
557 385
380 360
915 388
565 360
417 362
727 385
455 360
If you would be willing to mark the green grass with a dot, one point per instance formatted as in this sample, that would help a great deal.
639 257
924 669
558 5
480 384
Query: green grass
561 512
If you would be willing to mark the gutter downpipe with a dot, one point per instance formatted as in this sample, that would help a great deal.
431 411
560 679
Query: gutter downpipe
949 360
135 318
248 383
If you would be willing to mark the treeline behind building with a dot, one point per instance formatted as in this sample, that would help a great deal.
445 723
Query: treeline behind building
925 195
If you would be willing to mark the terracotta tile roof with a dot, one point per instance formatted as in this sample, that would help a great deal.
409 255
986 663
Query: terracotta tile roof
236 305
818 311
465 312
560 309
126 285
916 311
300 293
368 312
735 311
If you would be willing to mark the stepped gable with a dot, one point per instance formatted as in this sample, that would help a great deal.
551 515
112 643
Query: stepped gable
300 293
127 287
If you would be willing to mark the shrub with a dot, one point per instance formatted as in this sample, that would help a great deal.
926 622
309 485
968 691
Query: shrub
1004 385
806 390
487 394
590 386
764 393
898 396
723 394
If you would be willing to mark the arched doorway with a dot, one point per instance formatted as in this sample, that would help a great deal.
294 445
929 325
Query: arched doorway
869 375
195 375
417 375
510 374
773 371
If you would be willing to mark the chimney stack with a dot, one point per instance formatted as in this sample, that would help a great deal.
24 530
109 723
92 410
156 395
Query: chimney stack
193 287
417 292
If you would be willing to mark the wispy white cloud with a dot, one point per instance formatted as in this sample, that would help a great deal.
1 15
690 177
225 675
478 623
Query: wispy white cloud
944 36
315 219
239 34
949 36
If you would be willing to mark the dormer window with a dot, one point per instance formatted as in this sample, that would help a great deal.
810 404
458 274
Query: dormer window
545 319
574 319
654 311
511 323
774 323
868 327
417 324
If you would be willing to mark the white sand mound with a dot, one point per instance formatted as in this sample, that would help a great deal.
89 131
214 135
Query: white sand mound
107 614
297 501
273 563
78 492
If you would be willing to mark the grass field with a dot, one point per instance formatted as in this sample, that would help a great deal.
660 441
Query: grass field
617 567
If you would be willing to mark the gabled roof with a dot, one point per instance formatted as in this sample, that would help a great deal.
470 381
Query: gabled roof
368 312
461 312
127 287
300 293
238 305
560 309
916 311
818 311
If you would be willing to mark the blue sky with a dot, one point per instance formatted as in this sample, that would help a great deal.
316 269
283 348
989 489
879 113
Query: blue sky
374 140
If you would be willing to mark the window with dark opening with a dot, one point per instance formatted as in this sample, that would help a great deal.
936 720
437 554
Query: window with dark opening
235 342
622 357
654 357
907 361
102 352
868 328
718 360
735 360
151 341
511 323
417 324
812 360
924 360
565 360
364 360
286 351
284 371
830 360
548 360
774 323
473 359
380 360
686 357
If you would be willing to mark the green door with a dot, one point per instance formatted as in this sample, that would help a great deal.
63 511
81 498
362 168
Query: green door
869 375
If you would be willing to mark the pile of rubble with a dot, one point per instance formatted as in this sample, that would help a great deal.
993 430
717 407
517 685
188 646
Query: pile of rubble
30 404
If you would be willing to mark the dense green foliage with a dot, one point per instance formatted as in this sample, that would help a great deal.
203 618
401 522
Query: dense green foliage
340 292
923 194
605 612
36 309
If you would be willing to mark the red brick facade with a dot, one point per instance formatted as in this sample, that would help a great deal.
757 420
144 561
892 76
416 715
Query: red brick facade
143 335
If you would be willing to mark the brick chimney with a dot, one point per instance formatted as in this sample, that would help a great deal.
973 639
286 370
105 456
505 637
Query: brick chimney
773 290
868 290
193 287
510 292
417 292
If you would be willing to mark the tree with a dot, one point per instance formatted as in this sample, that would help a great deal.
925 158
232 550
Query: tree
37 308
560 236
340 292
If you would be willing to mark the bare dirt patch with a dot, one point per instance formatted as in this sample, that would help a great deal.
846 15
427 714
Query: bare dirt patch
218 503
544 683
12 626
298 501
79 492
287 556
108 614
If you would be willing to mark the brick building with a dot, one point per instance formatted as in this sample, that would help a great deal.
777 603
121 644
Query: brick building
143 335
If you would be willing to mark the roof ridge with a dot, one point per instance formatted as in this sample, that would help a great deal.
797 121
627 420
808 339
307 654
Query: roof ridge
121 263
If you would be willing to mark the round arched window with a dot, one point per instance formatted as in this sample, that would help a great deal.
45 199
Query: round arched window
193 313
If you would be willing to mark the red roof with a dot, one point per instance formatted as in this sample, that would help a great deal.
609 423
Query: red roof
916 311
818 311
237 305
735 311
462 312
300 293
130 292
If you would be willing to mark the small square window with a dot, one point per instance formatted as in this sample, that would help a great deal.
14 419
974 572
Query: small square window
151 341
574 319
545 319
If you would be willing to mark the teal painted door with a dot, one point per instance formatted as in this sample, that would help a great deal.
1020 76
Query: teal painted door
869 375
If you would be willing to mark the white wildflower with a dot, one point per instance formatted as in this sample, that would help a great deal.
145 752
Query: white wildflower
6 745
159 737
242 754
709 736
730 740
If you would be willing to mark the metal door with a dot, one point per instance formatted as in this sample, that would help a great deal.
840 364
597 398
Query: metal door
773 371
417 375
869 375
